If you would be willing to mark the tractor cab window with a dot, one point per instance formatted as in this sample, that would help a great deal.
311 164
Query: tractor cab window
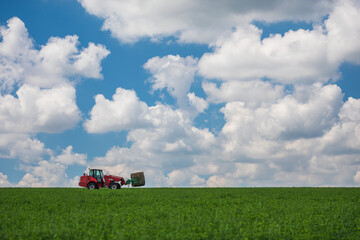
97 174
91 173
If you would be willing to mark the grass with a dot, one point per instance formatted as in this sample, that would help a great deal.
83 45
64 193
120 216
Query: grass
180 213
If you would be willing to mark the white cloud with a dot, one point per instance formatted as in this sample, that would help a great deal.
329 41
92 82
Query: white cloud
216 181
87 62
357 177
45 174
200 104
343 32
288 118
4 182
14 46
330 158
67 157
252 93
176 75
297 56
344 137
182 178
15 39
52 65
22 147
39 110
173 73
200 21
158 128
124 112
306 56
52 173
172 132
60 59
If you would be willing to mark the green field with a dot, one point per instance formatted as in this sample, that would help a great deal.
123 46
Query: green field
180 213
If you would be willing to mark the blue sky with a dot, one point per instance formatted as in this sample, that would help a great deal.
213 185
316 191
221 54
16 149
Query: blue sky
259 93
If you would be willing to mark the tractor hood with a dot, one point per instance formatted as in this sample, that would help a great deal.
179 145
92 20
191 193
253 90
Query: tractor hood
113 178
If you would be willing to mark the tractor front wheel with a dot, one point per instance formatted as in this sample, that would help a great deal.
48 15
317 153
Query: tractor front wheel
113 186
91 186
118 186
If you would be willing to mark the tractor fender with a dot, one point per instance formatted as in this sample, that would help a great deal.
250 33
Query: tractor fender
91 179
85 180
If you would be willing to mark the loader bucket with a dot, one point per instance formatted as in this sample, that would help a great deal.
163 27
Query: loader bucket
138 179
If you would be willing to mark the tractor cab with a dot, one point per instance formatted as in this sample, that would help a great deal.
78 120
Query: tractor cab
97 174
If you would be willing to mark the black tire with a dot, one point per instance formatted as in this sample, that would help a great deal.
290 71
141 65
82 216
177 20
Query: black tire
91 186
113 186
118 185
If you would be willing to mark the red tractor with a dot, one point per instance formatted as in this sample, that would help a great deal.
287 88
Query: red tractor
96 179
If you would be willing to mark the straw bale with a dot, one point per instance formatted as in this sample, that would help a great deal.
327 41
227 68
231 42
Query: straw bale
139 178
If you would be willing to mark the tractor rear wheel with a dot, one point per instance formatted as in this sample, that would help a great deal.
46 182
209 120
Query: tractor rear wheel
118 186
91 185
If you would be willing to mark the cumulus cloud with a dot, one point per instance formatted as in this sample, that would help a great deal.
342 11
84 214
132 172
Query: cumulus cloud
198 103
357 177
288 118
343 32
306 56
15 45
344 137
52 65
39 110
216 181
67 157
329 158
183 178
46 174
297 56
4 181
176 75
172 132
23 147
173 73
161 126
252 93
52 172
124 112
200 22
